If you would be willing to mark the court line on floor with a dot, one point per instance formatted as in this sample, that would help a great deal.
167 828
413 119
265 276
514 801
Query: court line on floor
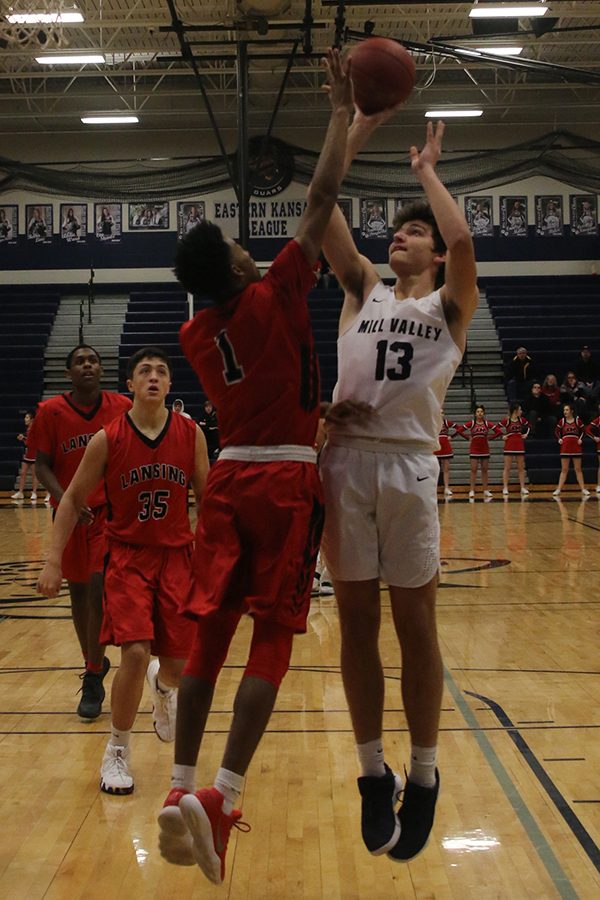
532 829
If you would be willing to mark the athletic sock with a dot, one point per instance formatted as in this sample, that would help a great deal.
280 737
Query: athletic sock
119 738
162 688
97 670
183 777
422 765
229 784
370 756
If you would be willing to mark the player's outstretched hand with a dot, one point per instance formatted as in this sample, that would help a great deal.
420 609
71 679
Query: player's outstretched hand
347 411
50 580
432 150
339 83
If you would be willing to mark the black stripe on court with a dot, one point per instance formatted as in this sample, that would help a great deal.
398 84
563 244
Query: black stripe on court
581 834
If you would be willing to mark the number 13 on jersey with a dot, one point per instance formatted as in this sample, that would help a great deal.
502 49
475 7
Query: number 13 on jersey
393 360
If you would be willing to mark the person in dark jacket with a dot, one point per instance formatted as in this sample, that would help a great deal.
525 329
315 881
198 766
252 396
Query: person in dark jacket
519 375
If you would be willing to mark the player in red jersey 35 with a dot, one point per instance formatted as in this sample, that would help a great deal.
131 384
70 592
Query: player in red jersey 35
60 433
262 512
147 459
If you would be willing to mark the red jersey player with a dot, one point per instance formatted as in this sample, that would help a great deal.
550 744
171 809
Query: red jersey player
569 434
514 430
146 458
61 431
262 512
445 452
593 431
479 432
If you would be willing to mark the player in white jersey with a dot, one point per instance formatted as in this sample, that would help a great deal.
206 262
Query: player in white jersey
398 349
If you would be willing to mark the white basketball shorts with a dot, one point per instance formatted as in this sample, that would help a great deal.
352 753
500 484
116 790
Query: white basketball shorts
381 517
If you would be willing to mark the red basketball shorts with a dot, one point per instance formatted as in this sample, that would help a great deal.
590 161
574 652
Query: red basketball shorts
84 554
143 588
257 540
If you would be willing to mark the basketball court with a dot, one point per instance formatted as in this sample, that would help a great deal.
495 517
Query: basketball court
519 809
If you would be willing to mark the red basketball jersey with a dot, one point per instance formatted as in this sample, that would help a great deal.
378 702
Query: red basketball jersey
147 482
255 358
516 430
62 431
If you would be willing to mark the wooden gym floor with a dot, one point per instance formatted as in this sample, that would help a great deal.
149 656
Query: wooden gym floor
519 809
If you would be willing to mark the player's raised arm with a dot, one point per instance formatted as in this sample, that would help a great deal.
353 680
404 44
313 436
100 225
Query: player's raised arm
73 501
328 174
460 294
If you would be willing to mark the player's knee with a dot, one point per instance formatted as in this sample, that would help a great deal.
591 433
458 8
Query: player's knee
210 647
270 652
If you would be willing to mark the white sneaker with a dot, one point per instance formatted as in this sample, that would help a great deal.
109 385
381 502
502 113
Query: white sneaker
524 492
471 495
556 493
598 488
326 587
585 493
47 498
33 497
505 492
18 495
447 492
488 495
115 775
164 704
316 584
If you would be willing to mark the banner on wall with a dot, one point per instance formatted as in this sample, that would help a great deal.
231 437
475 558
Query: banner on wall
513 216
73 222
189 213
39 218
9 224
584 214
268 218
549 215
373 219
108 221
479 215
148 216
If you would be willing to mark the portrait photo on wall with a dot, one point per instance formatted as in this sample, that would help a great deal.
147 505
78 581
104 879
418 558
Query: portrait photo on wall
149 215
107 221
513 216
9 223
39 222
189 213
479 216
549 215
373 219
345 204
73 222
584 214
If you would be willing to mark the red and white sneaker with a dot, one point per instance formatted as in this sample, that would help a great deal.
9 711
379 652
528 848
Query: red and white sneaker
174 840
210 827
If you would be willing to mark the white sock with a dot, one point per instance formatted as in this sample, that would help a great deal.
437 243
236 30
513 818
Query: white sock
370 756
422 765
162 688
183 777
119 738
230 784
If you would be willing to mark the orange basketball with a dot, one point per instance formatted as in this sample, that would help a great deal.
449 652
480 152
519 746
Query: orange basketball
383 73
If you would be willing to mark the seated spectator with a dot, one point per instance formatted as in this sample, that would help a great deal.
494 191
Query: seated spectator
551 390
519 375
588 374
574 393
541 414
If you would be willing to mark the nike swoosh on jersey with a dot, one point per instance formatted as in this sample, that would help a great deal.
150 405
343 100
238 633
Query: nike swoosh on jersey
422 477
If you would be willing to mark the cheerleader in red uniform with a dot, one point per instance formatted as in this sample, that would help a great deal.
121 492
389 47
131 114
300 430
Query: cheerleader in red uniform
569 433
514 431
593 431
479 432
445 453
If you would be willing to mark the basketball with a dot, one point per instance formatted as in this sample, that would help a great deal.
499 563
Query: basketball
383 74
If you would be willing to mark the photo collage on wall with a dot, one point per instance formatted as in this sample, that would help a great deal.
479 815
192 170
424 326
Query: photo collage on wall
548 215
373 219
39 219
513 216
584 214
108 222
189 214
149 216
479 216
73 222
9 224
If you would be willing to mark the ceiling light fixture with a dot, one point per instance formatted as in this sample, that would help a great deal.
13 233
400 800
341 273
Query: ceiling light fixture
44 18
501 51
453 113
70 59
112 118
506 11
